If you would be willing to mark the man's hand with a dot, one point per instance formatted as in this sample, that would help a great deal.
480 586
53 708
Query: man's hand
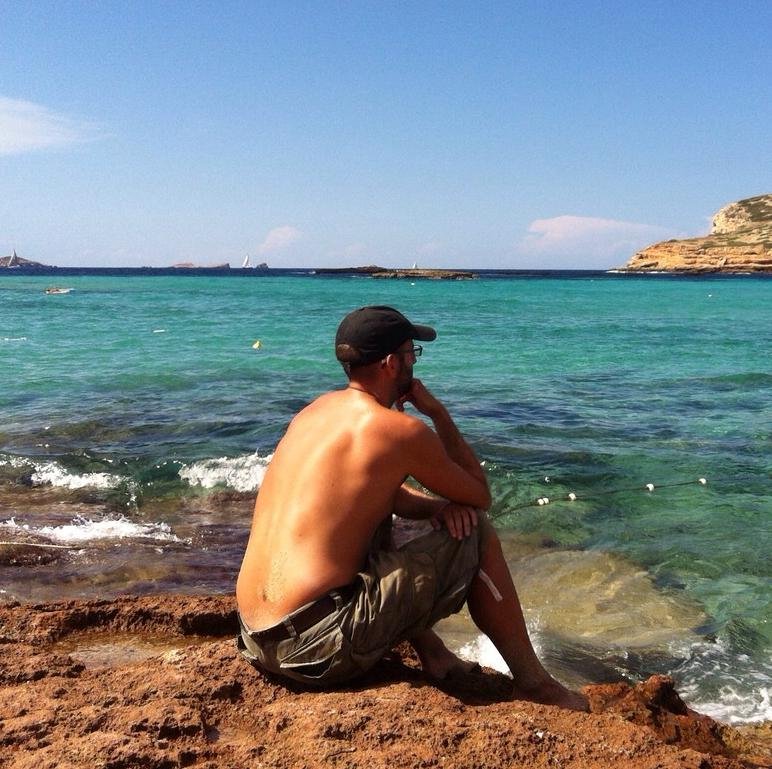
459 520
421 398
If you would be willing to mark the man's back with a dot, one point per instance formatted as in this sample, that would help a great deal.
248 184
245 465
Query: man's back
331 481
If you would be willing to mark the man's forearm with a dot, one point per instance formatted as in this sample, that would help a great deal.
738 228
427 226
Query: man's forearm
455 444
416 505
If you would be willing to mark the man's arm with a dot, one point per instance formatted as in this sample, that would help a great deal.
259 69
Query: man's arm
443 461
416 505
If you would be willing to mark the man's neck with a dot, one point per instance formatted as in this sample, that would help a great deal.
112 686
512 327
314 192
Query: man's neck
381 397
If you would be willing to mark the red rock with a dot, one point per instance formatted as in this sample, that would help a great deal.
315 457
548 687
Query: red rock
198 703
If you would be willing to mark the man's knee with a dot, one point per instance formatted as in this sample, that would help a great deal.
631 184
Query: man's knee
488 535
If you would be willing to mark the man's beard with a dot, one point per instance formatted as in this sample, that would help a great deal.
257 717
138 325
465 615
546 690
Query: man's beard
405 380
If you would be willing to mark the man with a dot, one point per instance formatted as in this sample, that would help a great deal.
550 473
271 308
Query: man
322 594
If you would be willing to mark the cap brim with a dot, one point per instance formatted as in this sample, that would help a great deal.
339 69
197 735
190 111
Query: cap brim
424 333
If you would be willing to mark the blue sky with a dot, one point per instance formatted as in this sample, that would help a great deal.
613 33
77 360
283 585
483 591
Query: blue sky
511 134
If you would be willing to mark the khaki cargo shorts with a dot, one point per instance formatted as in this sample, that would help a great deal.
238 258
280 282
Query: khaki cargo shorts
399 593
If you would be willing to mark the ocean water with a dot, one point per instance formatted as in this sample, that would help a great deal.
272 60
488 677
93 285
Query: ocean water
137 420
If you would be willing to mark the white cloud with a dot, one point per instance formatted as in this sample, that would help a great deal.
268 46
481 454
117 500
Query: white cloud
279 238
354 251
429 248
585 241
26 126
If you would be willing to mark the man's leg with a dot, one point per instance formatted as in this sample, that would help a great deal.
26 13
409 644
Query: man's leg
437 661
500 617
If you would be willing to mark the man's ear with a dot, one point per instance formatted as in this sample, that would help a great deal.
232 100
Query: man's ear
390 362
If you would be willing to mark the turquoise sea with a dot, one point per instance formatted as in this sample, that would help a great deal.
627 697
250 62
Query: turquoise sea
137 419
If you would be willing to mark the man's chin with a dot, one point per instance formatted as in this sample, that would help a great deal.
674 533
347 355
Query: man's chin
404 389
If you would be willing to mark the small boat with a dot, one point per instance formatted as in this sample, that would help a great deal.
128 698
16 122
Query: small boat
57 290
246 262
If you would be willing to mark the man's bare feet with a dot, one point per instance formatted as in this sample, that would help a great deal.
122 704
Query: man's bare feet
552 693
437 661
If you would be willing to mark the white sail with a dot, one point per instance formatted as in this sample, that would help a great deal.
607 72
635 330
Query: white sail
246 261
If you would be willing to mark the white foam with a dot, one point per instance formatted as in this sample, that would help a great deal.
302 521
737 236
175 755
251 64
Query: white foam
83 530
727 686
482 651
52 473
243 473
14 338
14 462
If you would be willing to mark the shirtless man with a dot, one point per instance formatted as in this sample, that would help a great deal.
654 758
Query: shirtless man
322 594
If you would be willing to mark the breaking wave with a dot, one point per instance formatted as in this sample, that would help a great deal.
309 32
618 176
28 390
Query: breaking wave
53 474
83 530
243 473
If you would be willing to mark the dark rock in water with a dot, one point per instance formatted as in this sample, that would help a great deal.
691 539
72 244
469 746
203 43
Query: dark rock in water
191 266
412 273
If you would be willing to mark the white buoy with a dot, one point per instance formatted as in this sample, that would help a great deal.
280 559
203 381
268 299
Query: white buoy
572 496
546 479
540 500
650 486
703 481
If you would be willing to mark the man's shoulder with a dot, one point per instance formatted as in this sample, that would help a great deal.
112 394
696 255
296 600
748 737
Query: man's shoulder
401 423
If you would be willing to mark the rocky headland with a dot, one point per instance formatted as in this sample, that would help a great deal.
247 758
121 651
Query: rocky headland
156 682
740 242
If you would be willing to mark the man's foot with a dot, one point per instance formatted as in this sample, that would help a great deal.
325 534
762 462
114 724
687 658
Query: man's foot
553 693
446 666
437 661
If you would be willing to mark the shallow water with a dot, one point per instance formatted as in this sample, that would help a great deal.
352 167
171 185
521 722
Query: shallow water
138 419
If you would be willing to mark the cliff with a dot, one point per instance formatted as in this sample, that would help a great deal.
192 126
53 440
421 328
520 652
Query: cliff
156 682
740 241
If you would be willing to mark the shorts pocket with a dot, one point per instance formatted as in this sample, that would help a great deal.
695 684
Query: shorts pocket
314 656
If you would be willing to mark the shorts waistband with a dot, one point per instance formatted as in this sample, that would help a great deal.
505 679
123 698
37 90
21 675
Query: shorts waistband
296 623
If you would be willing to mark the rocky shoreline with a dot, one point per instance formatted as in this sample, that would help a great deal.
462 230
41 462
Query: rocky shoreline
740 242
156 682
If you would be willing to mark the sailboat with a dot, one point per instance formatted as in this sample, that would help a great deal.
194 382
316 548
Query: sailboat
245 263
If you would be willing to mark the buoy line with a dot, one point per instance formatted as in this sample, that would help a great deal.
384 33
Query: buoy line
572 497
539 502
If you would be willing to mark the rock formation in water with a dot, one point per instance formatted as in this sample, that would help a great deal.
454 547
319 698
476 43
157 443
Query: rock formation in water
192 266
413 273
9 262
740 241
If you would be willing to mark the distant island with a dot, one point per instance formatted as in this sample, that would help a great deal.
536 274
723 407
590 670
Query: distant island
740 242
191 266
16 261
412 273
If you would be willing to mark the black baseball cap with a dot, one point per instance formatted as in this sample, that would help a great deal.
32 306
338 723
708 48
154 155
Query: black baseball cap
371 333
